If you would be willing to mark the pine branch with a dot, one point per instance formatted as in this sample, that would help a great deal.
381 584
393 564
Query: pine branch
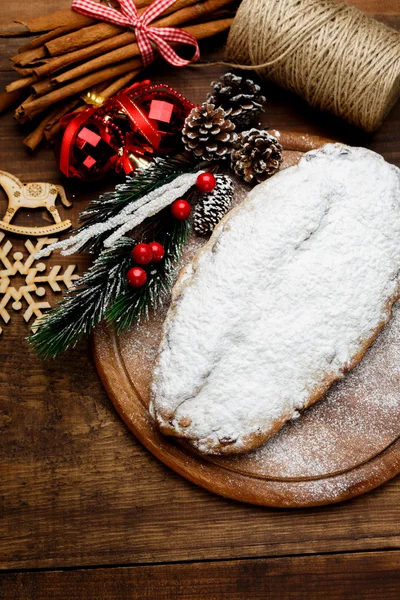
85 303
103 292
132 304
144 181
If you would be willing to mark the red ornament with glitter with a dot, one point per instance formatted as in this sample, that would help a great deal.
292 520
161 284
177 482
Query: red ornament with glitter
125 133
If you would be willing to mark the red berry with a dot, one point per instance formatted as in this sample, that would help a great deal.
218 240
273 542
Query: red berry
136 277
157 251
142 254
206 182
181 209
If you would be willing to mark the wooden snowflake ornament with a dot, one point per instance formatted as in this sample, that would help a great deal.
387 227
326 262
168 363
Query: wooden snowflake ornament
35 280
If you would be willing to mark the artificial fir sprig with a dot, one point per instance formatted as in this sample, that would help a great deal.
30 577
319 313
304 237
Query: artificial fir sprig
132 304
103 291
85 303
161 172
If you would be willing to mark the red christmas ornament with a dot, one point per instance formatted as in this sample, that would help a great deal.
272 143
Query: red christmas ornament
142 254
157 251
181 209
206 182
126 132
136 277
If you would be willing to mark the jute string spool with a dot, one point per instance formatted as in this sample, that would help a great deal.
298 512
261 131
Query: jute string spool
333 55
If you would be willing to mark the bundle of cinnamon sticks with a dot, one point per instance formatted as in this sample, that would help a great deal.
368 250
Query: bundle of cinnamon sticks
72 55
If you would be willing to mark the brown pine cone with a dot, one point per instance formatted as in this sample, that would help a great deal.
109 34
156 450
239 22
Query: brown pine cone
256 155
240 98
208 134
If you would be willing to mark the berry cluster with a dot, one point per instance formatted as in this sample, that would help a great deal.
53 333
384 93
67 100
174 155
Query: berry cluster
143 254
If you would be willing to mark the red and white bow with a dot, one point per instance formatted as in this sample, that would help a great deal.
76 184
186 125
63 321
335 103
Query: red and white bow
129 17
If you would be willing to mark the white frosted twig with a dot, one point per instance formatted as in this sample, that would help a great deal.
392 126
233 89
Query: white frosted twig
132 215
152 208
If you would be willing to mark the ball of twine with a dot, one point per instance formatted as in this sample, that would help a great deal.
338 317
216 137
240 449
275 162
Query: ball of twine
331 54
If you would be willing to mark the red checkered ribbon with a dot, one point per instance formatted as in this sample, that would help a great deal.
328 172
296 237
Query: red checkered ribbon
129 17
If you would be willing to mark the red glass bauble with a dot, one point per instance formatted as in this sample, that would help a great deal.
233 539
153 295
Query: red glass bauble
157 251
125 133
142 254
181 209
136 277
206 182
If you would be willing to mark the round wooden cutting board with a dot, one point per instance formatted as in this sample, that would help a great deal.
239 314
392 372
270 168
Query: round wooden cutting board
343 446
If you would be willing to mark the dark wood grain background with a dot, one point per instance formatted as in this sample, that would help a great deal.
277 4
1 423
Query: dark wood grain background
86 512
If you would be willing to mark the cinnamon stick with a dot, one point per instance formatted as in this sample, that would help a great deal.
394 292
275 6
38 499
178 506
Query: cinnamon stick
33 140
131 50
82 38
61 111
42 39
40 88
52 132
26 58
20 84
19 111
202 31
24 71
54 127
119 84
6 32
67 19
111 58
29 110
53 65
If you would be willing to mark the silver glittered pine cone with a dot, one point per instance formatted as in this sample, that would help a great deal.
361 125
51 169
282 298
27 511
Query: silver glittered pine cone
213 206
240 98
256 156
208 134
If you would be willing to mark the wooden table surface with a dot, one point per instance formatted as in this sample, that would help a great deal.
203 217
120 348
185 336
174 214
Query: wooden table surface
86 512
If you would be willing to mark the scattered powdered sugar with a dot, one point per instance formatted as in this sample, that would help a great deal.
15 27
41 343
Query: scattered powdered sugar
292 286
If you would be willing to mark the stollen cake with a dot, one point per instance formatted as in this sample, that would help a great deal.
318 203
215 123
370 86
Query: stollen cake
284 299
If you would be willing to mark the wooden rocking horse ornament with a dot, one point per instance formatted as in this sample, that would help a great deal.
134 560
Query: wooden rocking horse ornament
32 195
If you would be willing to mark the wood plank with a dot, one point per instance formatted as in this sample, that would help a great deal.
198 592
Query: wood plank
360 576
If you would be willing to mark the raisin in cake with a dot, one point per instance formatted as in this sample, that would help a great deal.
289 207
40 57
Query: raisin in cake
284 299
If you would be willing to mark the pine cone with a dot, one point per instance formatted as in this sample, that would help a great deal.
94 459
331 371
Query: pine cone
207 133
211 208
240 98
256 155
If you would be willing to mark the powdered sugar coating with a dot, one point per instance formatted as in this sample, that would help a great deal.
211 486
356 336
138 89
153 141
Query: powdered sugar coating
288 291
